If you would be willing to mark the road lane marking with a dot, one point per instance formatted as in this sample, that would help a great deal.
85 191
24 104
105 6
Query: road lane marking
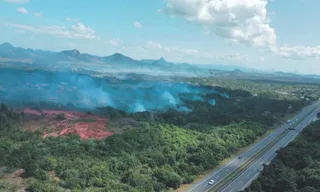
266 155
247 184
261 157
238 173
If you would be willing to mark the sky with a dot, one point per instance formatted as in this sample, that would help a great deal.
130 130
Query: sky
260 34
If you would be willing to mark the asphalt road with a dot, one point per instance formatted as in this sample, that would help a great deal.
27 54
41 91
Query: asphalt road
253 170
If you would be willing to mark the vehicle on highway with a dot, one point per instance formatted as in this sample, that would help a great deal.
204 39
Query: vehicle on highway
291 128
211 182
240 157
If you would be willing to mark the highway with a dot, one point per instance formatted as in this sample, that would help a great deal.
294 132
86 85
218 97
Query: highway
239 173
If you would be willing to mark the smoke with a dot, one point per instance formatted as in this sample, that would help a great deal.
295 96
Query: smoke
21 88
196 98
184 109
212 102
167 96
225 95
138 108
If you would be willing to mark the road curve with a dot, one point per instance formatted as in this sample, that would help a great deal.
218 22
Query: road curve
221 174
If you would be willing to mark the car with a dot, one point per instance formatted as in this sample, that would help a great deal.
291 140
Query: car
211 182
240 157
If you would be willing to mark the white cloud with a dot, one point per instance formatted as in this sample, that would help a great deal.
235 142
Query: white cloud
242 21
22 10
234 56
190 51
137 24
262 59
38 14
71 19
77 31
17 1
298 52
153 45
114 42
82 29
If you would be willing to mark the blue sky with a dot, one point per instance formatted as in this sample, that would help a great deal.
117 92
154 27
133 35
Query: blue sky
268 35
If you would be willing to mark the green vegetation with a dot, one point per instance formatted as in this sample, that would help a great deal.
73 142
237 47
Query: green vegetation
296 167
274 89
84 120
158 151
153 157
60 117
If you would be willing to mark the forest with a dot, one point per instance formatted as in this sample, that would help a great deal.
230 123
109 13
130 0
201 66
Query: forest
296 167
154 157
165 150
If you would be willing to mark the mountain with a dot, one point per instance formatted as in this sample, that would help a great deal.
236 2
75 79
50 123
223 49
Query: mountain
74 58
71 53
160 61
67 57
75 55
11 56
6 46
9 51
119 59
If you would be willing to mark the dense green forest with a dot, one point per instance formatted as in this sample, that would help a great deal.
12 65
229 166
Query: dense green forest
166 149
296 167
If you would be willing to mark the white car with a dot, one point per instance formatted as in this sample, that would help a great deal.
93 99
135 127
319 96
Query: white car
211 182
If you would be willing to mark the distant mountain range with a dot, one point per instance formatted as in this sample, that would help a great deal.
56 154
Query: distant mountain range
75 59
16 57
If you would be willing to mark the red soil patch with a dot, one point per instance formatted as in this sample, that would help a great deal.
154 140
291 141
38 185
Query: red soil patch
85 125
